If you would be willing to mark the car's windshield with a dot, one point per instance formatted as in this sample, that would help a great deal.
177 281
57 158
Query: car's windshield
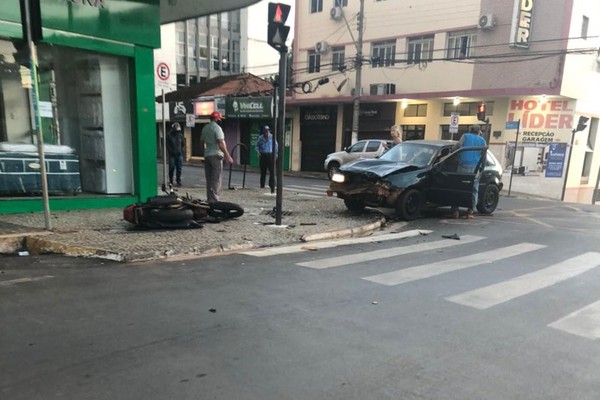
417 154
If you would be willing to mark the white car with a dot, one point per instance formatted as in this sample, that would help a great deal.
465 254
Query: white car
371 148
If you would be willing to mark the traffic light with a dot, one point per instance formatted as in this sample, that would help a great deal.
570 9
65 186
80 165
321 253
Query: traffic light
581 124
481 112
277 31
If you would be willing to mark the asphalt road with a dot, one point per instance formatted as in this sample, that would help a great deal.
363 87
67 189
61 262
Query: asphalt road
510 310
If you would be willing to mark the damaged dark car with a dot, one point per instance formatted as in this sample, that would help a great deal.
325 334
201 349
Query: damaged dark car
416 175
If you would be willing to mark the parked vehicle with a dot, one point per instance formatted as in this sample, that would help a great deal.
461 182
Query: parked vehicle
418 174
370 148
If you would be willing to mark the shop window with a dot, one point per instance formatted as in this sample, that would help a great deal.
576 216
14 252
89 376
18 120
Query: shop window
468 109
415 110
413 132
85 122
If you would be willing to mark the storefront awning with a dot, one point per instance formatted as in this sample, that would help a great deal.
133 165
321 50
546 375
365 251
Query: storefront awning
179 10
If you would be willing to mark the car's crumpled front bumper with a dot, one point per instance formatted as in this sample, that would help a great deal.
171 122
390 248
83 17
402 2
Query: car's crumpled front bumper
375 194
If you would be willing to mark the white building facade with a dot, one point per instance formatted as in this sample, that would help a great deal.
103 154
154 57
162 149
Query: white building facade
535 64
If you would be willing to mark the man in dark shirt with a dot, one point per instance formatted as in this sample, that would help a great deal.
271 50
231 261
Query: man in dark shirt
266 153
176 150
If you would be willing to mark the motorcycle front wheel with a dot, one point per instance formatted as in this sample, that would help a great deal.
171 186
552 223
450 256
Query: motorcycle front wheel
225 210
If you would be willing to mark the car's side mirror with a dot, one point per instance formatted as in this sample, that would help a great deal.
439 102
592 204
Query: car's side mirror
347 149
445 152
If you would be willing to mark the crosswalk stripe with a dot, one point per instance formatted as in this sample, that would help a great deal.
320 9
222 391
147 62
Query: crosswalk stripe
296 248
386 253
584 322
492 295
428 270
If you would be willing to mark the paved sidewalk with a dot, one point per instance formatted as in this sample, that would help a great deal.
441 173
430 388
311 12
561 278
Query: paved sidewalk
103 233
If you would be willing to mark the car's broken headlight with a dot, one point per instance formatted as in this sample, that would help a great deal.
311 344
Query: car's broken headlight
337 177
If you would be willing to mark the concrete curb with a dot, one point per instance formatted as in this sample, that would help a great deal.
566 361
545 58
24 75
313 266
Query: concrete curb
39 245
348 232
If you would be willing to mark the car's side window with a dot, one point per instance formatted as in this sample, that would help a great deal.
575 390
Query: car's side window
450 164
357 147
373 146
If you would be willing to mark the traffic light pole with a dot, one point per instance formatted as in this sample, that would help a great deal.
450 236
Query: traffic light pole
280 131
36 118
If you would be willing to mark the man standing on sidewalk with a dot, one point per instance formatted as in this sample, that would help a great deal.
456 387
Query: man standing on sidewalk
176 150
264 148
214 152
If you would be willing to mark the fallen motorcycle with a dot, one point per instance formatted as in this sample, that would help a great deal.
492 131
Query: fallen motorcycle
171 211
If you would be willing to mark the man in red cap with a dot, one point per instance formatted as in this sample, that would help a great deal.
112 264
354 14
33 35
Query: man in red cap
214 152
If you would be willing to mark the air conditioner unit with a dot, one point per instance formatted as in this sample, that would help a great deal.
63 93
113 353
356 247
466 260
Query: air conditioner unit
353 92
487 21
321 47
336 13
383 88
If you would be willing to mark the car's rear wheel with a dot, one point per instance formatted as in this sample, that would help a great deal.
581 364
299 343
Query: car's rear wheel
489 199
332 168
355 206
409 205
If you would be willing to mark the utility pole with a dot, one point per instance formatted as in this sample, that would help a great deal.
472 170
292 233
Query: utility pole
357 84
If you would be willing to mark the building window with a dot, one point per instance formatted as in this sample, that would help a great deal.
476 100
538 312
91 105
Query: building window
415 110
316 6
420 49
383 53
413 132
446 135
338 58
461 44
340 3
314 62
180 45
468 109
584 27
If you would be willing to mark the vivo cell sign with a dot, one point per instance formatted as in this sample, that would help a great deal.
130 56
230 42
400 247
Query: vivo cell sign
521 26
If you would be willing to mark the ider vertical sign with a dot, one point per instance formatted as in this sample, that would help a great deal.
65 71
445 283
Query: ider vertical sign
521 26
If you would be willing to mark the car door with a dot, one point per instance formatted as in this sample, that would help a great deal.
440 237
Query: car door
451 185
374 148
355 151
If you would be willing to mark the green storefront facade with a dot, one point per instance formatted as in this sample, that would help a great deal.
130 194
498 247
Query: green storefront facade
96 102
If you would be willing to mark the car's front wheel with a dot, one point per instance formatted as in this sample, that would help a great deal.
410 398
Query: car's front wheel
489 199
332 168
355 206
409 205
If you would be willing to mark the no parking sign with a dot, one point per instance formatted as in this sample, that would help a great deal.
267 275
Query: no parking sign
454 117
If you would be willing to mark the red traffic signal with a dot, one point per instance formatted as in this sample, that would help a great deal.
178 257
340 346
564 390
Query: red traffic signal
277 32
481 112
278 13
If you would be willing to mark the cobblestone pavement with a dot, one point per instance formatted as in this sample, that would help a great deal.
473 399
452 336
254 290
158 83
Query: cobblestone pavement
103 233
